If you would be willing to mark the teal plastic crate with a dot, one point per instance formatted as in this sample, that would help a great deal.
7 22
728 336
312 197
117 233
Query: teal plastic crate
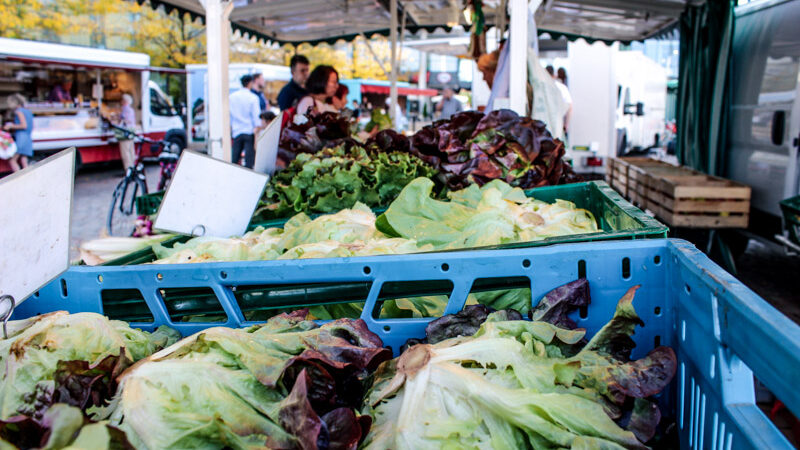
722 332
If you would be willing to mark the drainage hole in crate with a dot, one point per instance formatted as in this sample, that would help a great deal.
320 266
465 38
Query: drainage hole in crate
99 278
626 268
683 330
194 304
387 328
223 274
657 341
657 310
125 304
412 299
445 267
36 294
657 259
526 263
367 270
688 289
581 269
64 287
583 312
159 276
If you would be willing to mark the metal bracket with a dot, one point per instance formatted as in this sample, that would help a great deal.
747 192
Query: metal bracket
7 314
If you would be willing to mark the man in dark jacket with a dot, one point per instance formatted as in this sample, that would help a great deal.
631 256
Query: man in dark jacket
295 89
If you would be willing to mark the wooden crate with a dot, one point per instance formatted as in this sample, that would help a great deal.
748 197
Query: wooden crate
684 197
617 176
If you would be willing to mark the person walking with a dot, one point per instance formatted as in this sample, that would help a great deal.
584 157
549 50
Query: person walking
295 89
245 122
22 128
449 104
258 89
127 120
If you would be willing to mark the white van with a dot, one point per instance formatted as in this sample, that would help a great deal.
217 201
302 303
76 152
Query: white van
97 79
764 121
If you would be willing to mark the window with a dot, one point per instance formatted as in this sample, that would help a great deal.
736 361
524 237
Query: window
159 105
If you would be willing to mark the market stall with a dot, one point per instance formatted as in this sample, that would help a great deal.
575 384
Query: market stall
70 90
447 298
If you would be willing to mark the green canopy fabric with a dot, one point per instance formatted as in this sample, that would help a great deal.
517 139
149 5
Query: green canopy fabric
703 92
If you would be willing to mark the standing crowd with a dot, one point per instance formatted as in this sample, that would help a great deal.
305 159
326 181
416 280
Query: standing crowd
309 92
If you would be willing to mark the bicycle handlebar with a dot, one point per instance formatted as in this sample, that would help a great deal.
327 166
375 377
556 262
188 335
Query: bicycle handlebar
165 145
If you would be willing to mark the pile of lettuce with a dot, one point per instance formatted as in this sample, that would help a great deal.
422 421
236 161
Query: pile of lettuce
59 367
475 148
469 148
318 132
350 232
493 381
336 178
493 214
288 383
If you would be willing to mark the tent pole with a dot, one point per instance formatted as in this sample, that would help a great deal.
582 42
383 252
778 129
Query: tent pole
218 29
518 56
422 83
393 74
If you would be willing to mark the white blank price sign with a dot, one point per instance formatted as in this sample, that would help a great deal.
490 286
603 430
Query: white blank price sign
209 197
35 206
267 146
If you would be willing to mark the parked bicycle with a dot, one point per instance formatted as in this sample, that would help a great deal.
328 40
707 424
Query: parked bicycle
134 183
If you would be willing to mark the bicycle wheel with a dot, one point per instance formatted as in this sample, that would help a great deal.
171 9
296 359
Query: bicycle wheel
121 220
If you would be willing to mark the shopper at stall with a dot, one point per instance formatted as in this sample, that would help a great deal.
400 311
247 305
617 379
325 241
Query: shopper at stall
296 88
127 120
356 109
22 128
449 104
258 89
321 85
245 122
62 92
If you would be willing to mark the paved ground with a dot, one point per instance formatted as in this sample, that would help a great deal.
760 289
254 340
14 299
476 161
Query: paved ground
93 190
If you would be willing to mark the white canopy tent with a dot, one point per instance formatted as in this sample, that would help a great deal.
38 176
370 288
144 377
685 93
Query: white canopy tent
318 21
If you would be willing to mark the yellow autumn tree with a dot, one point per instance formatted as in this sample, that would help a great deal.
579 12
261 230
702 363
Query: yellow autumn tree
171 40
54 20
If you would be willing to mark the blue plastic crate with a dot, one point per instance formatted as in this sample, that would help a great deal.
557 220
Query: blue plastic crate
722 332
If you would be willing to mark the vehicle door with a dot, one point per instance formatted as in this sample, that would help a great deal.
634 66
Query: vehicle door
764 121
